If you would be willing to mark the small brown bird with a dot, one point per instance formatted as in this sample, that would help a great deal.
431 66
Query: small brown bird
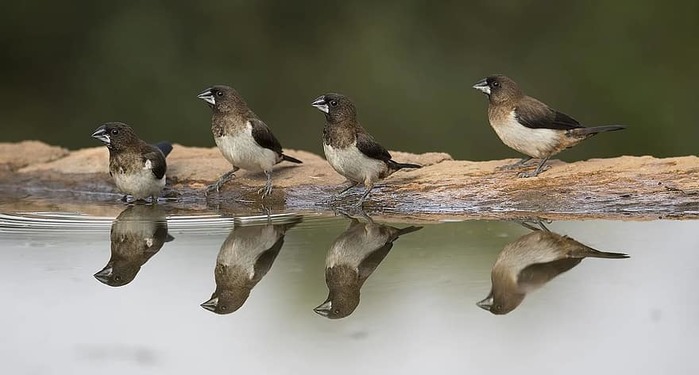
244 259
243 139
530 262
530 126
353 257
137 234
349 149
138 169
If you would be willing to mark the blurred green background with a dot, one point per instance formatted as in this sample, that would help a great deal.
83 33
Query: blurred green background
408 65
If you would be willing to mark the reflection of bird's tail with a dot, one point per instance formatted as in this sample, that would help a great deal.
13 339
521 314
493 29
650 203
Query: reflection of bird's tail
291 159
407 230
598 129
164 147
593 253
397 166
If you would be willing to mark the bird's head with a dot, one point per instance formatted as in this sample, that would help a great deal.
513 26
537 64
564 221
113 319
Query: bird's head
336 107
227 301
501 303
498 88
115 135
222 98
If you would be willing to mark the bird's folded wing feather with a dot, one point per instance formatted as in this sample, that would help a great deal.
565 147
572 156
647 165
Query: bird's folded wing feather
154 158
264 137
537 115
369 147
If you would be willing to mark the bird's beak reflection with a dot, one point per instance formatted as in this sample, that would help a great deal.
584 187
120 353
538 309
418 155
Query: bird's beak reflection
324 309
486 304
210 304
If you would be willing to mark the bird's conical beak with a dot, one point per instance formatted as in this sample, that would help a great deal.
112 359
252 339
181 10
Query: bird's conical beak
101 134
485 304
207 96
321 104
104 275
324 309
210 304
482 85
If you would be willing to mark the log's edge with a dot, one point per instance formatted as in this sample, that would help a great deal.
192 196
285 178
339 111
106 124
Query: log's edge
627 187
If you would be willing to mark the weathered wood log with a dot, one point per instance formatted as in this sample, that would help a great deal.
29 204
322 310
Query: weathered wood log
444 189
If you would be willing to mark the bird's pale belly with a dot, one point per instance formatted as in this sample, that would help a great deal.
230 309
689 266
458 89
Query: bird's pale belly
537 143
352 164
242 151
140 185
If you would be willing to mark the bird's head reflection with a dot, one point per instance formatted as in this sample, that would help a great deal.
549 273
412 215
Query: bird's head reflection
352 258
245 257
530 262
136 235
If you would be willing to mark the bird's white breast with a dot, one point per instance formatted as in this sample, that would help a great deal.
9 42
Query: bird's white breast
537 143
353 246
353 164
141 184
242 151
244 246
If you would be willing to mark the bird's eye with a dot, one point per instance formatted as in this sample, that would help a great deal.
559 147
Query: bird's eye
333 103
219 93
114 132
496 84
224 308
117 278
336 311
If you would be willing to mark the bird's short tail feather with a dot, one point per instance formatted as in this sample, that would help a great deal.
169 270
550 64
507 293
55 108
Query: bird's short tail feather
291 159
164 147
397 166
599 129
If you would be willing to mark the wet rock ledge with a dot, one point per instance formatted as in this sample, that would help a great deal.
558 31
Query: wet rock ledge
639 187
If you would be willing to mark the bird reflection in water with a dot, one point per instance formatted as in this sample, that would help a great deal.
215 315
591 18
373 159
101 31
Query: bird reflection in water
244 259
353 257
530 262
136 235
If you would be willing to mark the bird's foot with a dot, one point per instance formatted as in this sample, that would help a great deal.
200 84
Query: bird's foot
216 186
265 191
516 165
534 173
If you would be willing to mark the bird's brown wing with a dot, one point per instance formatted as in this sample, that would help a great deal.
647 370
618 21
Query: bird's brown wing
264 137
157 160
369 147
537 115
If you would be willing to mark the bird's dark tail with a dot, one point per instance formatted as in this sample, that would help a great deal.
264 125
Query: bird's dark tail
291 159
164 147
397 166
599 129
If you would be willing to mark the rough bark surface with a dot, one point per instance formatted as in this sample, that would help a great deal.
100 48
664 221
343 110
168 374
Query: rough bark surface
639 187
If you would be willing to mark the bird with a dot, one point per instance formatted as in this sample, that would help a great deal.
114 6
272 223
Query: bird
529 126
138 233
352 258
530 262
244 259
350 150
243 139
138 168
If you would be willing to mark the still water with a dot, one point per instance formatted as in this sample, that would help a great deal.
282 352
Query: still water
150 293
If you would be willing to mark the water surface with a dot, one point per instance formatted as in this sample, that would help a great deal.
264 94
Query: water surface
416 313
